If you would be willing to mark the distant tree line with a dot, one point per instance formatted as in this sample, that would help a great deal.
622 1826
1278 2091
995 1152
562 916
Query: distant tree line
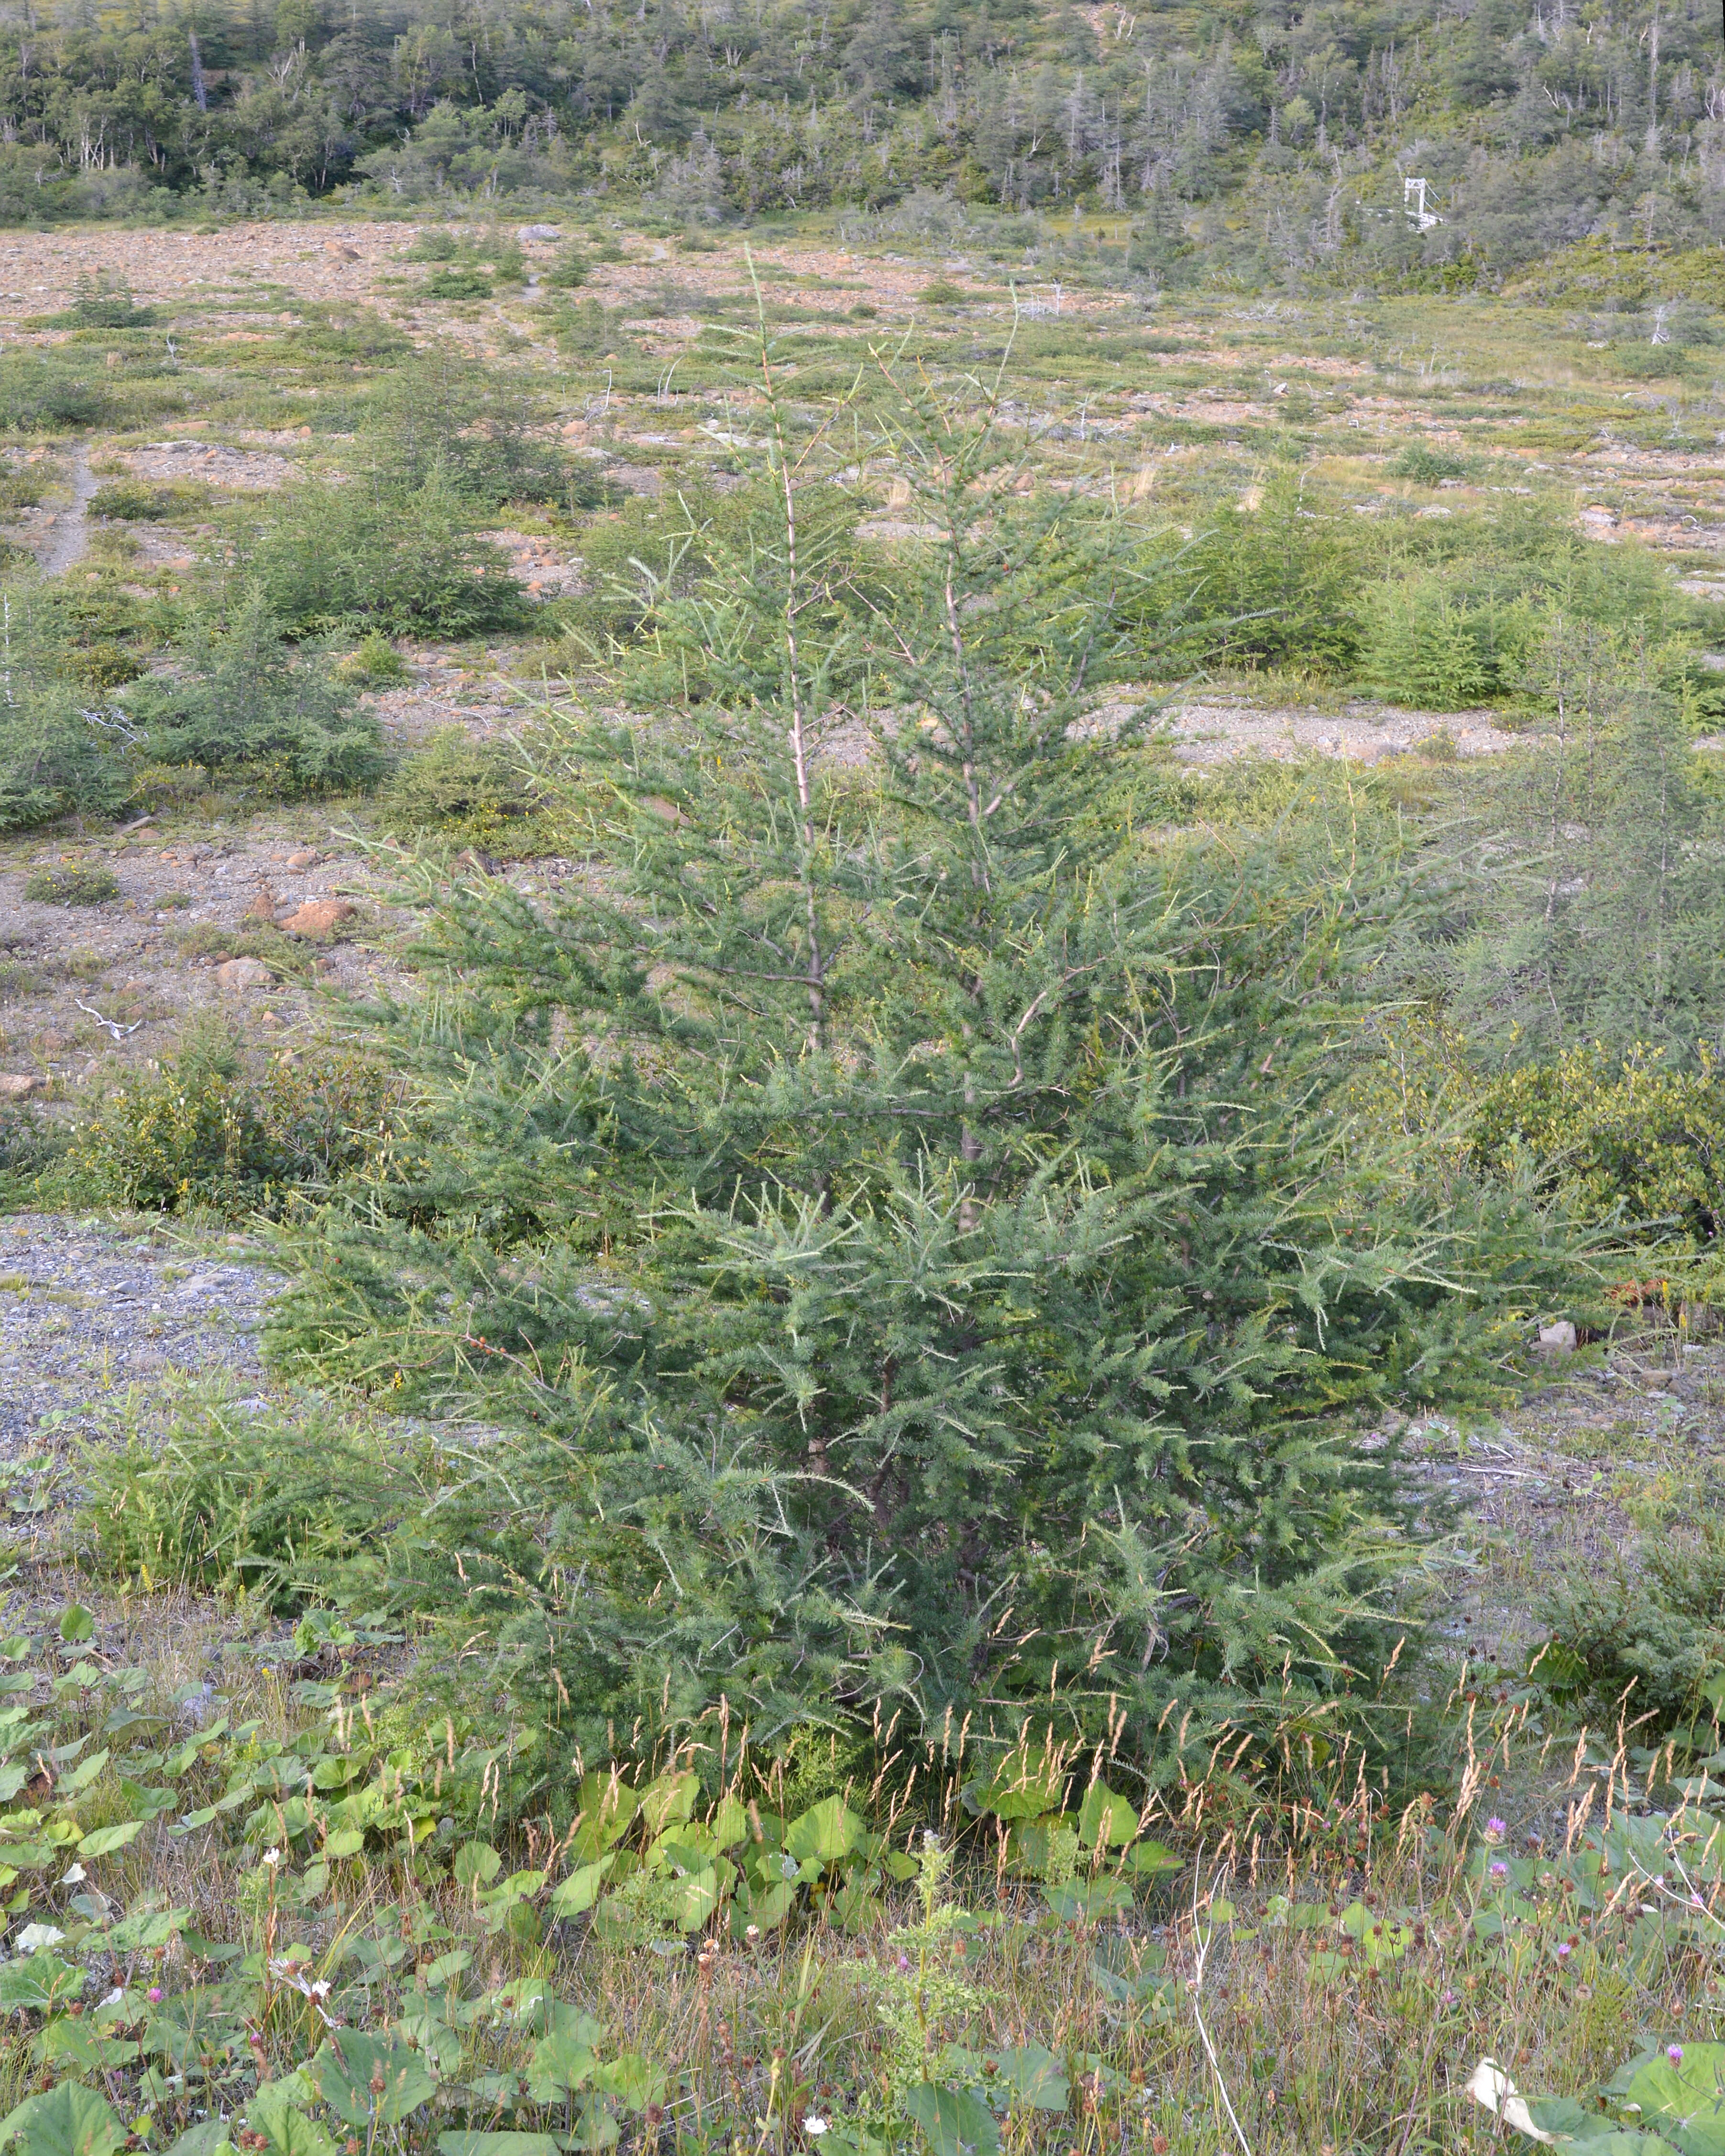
1272 138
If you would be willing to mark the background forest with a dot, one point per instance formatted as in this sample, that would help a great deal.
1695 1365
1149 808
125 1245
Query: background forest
1233 142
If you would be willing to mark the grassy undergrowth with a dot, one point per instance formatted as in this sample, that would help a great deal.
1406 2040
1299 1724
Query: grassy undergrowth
259 1900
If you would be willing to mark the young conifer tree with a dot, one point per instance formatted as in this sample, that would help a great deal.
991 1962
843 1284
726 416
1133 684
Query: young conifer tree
911 1208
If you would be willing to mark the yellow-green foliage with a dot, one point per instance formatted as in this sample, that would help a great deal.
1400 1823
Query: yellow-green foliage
1633 1138
209 1131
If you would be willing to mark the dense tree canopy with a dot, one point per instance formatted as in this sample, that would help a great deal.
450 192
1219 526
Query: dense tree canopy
1535 129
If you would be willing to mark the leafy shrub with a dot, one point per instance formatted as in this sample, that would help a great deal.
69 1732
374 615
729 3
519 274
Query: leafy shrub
132 500
1630 1138
250 703
375 658
39 395
209 1130
455 781
404 564
431 245
84 883
459 284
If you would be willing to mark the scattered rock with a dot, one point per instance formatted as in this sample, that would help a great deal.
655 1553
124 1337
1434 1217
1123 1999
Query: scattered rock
317 917
1559 1339
542 232
342 252
19 1085
262 907
51 1043
308 857
244 975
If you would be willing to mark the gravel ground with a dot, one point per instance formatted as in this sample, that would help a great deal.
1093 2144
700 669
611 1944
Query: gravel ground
99 1320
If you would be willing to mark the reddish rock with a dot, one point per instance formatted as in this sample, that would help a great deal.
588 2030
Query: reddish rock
318 918
19 1085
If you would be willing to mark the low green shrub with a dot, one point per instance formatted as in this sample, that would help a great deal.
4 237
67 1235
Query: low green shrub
567 272
1426 466
83 883
29 1143
1632 1138
21 486
404 564
211 1130
375 658
1424 648
1653 1639
456 784
104 301
41 395
456 283
133 500
251 703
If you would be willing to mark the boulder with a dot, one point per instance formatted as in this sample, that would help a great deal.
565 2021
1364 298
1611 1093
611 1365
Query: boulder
19 1085
1557 1339
243 976
317 918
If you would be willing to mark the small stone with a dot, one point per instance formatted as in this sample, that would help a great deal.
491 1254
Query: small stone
262 907
50 1042
308 857
341 251
272 1017
19 1085
242 976
318 917
1557 1339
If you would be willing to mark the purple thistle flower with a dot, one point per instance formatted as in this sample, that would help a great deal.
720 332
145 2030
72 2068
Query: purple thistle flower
1496 1829
1674 2052
1500 1870
1563 1950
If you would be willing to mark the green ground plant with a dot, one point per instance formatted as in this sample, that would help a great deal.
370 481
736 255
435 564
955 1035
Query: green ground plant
248 703
365 556
471 789
84 883
215 1130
